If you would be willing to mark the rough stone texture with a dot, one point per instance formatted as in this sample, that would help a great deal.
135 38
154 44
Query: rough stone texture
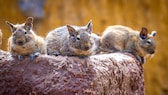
106 74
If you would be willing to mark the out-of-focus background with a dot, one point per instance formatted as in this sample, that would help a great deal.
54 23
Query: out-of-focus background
50 14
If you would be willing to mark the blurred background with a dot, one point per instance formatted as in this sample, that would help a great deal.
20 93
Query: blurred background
50 14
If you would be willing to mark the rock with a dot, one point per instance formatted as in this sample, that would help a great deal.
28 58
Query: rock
106 74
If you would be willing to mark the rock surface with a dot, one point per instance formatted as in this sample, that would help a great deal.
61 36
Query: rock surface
106 74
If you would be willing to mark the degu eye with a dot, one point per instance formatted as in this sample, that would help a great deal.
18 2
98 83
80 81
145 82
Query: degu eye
78 38
148 42
25 32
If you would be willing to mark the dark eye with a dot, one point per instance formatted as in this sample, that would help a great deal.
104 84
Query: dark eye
78 38
148 42
25 32
72 35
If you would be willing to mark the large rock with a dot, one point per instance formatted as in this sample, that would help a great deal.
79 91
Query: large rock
106 74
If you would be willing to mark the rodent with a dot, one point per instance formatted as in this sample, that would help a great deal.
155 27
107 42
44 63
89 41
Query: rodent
0 38
71 40
24 41
121 38
96 38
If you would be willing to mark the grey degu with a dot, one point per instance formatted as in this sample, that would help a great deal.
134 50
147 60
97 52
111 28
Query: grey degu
121 38
70 40
23 41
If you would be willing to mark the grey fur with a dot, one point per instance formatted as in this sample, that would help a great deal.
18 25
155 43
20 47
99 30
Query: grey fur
70 40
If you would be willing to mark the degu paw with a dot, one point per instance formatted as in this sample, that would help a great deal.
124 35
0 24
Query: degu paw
127 51
20 57
140 59
33 55
56 53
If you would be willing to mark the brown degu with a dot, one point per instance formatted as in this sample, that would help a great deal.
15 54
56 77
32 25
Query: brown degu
24 41
121 38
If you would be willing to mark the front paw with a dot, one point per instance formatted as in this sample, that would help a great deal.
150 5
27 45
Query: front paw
140 59
84 56
33 55
36 54
56 53
128 51
20 57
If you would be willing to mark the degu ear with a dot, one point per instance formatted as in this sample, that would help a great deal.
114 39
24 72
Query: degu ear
153 34
28 23
89 26
12 27
144 33
71 30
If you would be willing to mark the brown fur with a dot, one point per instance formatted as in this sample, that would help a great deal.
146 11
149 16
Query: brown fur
23 40
70 40
121 38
